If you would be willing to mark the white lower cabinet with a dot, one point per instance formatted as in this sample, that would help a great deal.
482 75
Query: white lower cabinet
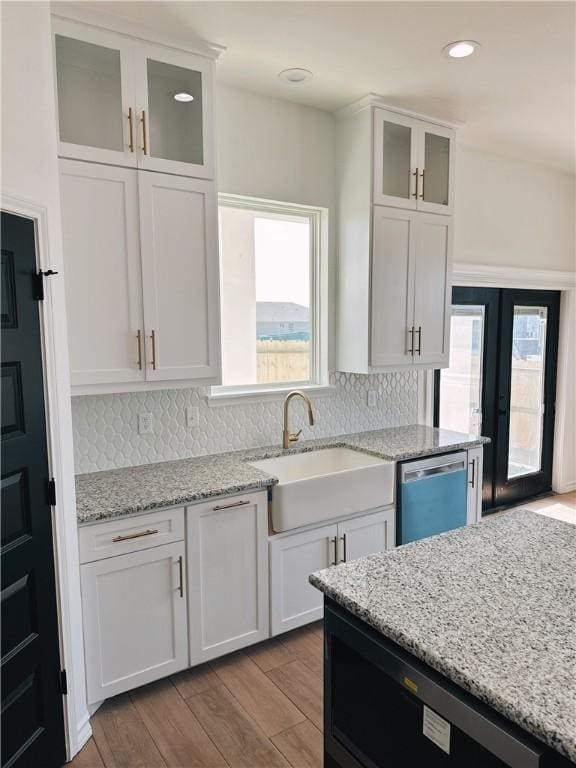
227 575
294 556
475 474
135 619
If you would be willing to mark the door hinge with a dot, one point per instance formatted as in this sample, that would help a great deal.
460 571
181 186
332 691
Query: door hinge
38 282
63 682
51 492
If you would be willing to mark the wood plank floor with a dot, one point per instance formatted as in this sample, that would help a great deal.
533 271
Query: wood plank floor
258 708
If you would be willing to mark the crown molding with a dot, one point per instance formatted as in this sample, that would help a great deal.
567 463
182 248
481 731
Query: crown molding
376 100
488 276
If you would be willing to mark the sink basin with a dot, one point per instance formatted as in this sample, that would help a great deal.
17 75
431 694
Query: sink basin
325 484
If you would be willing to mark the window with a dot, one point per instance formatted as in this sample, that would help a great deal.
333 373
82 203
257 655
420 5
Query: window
271 282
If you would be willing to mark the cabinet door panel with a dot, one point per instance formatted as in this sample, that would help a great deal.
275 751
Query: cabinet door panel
436 161
178 132
294 602
433 284
228 576
134 620
395 159
366 535
178 223
102 271
95 88
475 477
392 287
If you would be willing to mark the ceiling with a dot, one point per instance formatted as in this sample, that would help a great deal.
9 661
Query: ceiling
516 97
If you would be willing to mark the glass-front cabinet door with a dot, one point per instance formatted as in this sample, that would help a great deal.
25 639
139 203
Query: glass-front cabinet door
413 163
94 84
395 160
174 110
436 169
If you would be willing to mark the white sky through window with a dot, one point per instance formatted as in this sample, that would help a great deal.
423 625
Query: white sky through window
282 254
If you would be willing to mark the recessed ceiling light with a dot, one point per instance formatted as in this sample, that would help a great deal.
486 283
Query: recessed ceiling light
460 49
295 75
183 96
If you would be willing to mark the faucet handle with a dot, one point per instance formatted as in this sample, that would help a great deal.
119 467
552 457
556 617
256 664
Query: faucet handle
295 436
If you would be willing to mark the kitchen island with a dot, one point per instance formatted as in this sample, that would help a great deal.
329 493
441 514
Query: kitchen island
457 650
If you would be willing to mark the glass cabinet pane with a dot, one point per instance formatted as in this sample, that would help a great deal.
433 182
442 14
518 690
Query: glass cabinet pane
527 390
437 168
89 94
396 170
175 112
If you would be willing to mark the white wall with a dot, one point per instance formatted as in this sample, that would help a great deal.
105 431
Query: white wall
30 174
510 213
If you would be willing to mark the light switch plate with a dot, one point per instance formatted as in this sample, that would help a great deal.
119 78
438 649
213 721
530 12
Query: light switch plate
192 417
145 424
372 398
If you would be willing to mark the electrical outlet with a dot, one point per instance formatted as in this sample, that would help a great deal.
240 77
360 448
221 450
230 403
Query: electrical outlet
192 417
372 398
145 424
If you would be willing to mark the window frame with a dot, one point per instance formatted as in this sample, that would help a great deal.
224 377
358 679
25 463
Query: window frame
319 375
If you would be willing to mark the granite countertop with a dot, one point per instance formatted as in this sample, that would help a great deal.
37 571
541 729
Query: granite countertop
116 492
492 606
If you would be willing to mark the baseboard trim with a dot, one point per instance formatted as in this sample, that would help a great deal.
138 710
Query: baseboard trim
83 732
568 487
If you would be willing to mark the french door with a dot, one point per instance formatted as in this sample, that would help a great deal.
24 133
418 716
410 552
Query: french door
501 383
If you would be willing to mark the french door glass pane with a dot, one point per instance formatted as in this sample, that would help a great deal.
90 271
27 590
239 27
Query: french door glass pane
527 390
461 383
175 112
396 171
89 94
437 165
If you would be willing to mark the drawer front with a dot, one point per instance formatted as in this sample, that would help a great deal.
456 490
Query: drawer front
130 534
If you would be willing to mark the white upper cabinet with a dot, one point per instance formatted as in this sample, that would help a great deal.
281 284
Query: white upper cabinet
141 274
178 225
94 78
174 106
396 175
413 163
101 241
126 102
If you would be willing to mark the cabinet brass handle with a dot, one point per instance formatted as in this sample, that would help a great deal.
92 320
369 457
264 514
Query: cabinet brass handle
144 136
419 332
153 338
416 177
332 542
181 572
139 339
230 506
131 129
411 347
422 177
138 535
472 481
343 539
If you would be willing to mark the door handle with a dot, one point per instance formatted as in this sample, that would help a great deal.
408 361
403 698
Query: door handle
411 347
332 543
416 177
131 129
422 177
344 557
139 341
181 574
230 506
419 332
144 134
472 480
153 338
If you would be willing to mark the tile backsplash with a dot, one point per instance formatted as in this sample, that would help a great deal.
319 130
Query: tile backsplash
106 426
